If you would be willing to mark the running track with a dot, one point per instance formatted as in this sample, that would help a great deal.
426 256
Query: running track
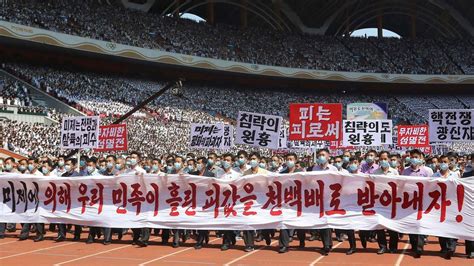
48 252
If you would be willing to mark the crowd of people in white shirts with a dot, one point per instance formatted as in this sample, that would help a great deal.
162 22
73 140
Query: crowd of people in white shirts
257 45
167 119
233 165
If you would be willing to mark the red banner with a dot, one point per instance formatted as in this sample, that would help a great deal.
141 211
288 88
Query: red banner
413 136
315 121
113 138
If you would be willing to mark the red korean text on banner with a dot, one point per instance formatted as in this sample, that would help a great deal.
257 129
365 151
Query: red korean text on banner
315 121
113 138
337 144
413 136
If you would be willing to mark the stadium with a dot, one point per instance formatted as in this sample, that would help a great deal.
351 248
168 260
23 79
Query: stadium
166 69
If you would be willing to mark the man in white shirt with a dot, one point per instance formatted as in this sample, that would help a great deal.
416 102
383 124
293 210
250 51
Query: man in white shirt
33 167
229 174
385 169
59 171
448 245
322 164
242 162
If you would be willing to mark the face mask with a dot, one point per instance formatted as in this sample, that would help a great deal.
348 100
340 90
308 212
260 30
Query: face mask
253 163
102 169
241 161
199 167
133 162
384 164
45 170
218 164
345 159
352 168
369 159
169 169
8 167
443 166
31 167
61 163
290 164
321 160
226 165
415 161
146 167
274 164
190 168
82 163
338 165
177 166
210 162
394 164
90 169
21 168
407 160
262 165
67 168
236 164
110 165
118 166
154 168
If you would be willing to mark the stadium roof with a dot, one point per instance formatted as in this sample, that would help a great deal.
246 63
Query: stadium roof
420 18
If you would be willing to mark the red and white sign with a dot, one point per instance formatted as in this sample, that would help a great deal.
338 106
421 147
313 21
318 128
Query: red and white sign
413 136
315 121
113 138
337 144
309 200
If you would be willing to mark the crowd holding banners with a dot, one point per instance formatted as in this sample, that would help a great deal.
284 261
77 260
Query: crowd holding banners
121 194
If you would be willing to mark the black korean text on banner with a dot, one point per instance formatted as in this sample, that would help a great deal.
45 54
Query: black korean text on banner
228 138
405 204
258 130
367 132
451 125
80 132
207 136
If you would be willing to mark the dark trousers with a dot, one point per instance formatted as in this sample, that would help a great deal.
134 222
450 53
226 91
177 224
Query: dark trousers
326 237
417 243
351 238
25 230
62 230
285 234
447 244
469 247
141 233
203 235
3 226
382 240
165 236
249 238
108 233
229 237
94 232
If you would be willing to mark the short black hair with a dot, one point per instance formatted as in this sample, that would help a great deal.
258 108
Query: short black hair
416 151
291 154
203 159
256 154
242 152
323 149
136 153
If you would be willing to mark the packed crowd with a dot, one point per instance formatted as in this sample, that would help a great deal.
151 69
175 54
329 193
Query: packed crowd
166 120
230 166
253 45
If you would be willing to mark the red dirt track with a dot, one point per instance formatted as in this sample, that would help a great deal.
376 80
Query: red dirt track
48 252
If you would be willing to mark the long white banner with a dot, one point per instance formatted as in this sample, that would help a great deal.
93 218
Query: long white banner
429 206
